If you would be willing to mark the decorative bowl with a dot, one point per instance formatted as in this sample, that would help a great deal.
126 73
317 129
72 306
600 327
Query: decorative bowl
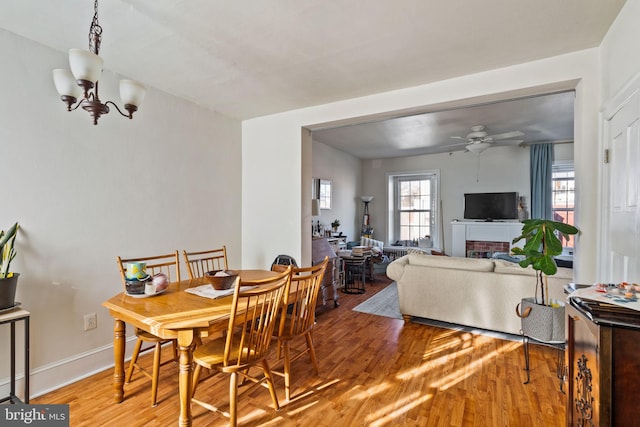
136 287
221 279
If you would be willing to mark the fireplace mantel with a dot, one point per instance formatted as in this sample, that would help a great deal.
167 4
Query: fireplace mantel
495 231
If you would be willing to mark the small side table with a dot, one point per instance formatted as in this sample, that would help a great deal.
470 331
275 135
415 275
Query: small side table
354 275
11 317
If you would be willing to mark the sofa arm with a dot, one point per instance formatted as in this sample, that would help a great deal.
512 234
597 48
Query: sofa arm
396 268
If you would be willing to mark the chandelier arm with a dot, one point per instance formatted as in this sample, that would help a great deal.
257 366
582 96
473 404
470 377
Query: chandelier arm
76 107
130 115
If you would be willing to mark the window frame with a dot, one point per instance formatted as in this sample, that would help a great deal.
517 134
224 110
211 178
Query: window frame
395 180
563 167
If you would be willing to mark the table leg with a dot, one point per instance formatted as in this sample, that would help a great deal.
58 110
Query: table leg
119 332
12 393
185 347
26 360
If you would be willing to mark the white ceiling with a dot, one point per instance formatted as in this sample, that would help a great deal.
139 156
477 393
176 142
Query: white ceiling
547 118
250 58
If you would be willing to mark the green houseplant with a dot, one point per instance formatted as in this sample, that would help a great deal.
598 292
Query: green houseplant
541 318
335 224
8 279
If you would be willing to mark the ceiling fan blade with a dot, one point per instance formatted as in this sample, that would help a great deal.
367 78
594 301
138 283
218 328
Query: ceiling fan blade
506 135
459 137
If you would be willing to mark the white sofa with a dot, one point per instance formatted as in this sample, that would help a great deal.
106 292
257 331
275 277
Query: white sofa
481 293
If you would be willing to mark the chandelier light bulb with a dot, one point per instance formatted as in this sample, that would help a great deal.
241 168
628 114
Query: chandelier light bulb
131 92
65 83
85 65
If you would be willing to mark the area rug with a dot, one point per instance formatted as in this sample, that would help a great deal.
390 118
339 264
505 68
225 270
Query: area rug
384 303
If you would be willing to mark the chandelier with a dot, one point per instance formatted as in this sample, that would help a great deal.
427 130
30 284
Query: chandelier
82 80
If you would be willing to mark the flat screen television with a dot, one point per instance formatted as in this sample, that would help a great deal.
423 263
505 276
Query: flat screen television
491 206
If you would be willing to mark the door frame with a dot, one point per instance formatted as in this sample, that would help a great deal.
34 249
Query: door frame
609 110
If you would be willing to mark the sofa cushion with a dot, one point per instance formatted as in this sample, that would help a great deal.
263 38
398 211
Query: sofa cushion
457 263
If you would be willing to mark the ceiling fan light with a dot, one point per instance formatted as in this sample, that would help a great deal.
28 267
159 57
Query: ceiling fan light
478 148
65 83
132 92
85 65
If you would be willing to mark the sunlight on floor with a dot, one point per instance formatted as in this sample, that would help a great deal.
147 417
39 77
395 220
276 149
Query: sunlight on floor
382 416
430 364
378 388
455 377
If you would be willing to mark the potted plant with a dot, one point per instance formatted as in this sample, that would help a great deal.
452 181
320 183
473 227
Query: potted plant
335 224
8 279
542 319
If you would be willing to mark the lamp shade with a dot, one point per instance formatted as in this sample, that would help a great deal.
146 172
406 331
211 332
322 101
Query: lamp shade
85 65
478 148
132 92
65 83
315 207
366 199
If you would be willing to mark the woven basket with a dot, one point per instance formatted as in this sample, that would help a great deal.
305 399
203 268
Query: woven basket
542 322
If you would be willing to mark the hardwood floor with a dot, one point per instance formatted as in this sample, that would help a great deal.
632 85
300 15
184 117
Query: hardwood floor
374 371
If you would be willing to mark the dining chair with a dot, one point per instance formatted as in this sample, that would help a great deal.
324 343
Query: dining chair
247 342
298 318
199 263
168 264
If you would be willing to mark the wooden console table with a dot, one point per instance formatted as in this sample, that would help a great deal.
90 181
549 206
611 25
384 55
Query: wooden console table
11 317
603 342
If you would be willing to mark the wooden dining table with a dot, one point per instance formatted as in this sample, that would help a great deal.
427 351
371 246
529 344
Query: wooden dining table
173 314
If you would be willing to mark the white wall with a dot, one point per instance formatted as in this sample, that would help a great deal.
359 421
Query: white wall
496 170
168 179
345 173
620 50
275 139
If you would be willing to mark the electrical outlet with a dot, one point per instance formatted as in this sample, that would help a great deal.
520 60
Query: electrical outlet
90 321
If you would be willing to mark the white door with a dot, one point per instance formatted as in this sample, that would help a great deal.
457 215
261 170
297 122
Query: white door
621 192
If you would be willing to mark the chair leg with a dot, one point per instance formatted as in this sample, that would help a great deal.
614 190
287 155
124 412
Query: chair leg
272 388
134 359
196 379
287 370
233 399
174 348
312 352
155 373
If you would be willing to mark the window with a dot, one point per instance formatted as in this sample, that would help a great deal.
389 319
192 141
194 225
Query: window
324 193
415 202
563 192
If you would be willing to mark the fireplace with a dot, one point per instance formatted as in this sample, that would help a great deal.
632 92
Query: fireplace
482 239
484 249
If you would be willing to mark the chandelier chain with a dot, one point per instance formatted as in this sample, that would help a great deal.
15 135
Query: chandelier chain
95 31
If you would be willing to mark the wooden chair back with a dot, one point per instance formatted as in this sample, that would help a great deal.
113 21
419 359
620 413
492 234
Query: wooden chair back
199 263
299 303
252 322
168 264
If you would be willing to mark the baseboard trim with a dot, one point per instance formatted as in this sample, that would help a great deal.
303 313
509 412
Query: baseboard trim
50 377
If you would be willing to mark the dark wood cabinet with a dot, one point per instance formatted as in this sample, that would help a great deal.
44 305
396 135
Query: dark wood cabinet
328 297
603 356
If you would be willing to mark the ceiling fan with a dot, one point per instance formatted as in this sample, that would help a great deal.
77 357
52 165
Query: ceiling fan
479 140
